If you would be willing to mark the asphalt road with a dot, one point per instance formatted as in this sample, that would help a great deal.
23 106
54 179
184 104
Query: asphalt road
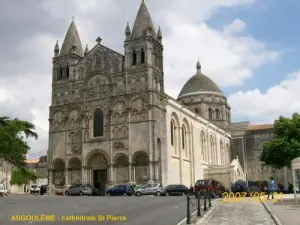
135 210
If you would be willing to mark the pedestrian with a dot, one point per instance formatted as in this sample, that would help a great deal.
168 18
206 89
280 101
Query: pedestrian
290 187
262 186
272 188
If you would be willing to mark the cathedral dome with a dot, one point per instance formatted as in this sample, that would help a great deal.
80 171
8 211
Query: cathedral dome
199 84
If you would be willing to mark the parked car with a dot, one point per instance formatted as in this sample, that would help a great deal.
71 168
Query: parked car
79 189
215 187
175 189
95 191
245 186
149 189
34 189
125 190
43 189
3 192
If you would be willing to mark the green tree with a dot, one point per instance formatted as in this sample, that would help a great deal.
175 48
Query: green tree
13 139
285 146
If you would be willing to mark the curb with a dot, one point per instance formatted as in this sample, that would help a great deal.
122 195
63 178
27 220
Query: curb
271 213
204 215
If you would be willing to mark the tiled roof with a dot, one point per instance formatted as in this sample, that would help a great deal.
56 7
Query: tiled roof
32 161
260 127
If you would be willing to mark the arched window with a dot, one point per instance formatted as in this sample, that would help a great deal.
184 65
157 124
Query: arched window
67 72
210 117
142 56
222 153
217 114
134 57
59 74
172 132
203 147
98 123
197 110
183 136
212 150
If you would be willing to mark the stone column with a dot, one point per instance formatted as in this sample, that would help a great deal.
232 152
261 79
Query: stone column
129 172
66 176
50 176
110 173
83 175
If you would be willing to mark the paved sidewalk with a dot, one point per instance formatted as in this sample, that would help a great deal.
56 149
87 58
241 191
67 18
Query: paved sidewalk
286 211
248 212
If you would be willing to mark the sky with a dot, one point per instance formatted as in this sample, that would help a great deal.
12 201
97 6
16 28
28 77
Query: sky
248 47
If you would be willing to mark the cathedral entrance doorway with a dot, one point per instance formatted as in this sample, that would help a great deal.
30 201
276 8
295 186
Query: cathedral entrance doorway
97 167
100 180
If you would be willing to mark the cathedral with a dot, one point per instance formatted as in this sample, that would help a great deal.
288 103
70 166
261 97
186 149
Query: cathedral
112 122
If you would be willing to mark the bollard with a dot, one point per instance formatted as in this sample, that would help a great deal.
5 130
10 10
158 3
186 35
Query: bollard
209 197
188 213
205 195
198 207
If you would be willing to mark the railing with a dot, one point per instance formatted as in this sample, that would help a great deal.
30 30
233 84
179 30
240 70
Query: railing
207 197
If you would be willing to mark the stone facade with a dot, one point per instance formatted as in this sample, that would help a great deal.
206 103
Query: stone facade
110 119
247 144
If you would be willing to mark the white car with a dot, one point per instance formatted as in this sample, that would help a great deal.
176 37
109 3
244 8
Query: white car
3 192
34 189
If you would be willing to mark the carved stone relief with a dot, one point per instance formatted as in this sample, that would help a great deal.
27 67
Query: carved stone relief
119 117
133 84
119 145
107 133
120 86
98 162
138 103
139 115
86 135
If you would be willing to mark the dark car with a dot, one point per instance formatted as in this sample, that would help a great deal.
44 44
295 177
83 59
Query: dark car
95 192
245 186
175 189
43 189
119 190
215 187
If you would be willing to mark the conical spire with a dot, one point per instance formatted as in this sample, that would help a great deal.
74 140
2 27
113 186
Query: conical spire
56 49
127 30
143 22
159 35
71 40
86 51
198 66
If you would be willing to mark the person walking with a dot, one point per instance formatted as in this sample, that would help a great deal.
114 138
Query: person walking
272 188
290 187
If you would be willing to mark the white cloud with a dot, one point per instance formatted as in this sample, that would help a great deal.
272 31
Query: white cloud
281 99
227 55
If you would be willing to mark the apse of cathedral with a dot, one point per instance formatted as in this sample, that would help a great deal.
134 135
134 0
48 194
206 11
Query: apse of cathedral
111 121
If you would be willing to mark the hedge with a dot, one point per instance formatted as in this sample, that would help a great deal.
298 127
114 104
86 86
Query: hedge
22 176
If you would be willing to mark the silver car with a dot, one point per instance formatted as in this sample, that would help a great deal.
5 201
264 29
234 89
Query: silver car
79 189
149 189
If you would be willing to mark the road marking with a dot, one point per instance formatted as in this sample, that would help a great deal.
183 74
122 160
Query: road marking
175 206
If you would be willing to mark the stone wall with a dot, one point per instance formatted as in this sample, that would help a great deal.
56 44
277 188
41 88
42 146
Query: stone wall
6 169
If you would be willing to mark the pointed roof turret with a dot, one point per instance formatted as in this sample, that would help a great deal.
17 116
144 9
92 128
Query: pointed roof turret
143 23
56 49
71 40
198 66
127 30
159 35
86 51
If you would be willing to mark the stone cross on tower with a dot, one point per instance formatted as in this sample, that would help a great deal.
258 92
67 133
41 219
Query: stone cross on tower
98 40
